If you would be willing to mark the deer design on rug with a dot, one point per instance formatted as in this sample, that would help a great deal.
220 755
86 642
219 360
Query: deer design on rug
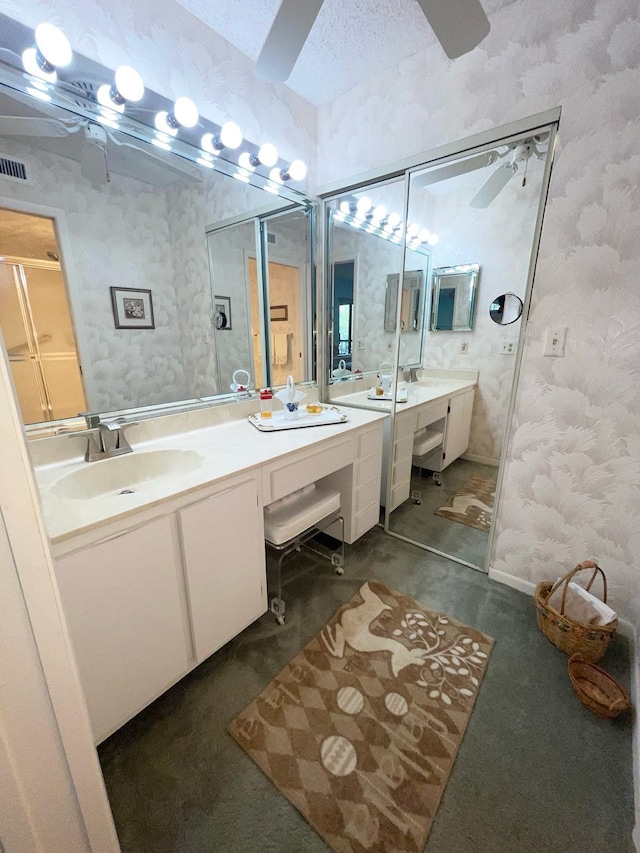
353 630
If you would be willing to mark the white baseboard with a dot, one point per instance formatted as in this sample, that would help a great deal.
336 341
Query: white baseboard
484 460
511 580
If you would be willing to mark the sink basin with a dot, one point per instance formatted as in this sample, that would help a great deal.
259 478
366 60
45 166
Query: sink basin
431 383
125 474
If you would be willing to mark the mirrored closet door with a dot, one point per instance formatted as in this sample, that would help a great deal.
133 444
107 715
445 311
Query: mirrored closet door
479 215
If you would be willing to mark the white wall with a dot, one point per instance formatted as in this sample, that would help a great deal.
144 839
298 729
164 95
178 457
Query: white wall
571 480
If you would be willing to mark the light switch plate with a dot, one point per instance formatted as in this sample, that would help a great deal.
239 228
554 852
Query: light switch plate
554 342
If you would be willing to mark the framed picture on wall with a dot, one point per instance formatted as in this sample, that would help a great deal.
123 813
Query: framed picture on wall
278 312
222 313
132 308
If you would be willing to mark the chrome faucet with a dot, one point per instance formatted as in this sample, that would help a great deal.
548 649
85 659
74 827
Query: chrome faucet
105 439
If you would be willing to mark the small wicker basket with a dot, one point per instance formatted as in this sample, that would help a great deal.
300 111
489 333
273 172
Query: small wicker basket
570 636
597 690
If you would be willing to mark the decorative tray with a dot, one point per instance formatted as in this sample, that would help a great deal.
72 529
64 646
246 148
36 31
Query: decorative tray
328 415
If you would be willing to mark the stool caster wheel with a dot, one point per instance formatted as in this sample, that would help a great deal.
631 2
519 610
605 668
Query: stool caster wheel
437 478
281 619
339 570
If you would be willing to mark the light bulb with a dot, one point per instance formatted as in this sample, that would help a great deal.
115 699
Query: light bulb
379 212
268 154
363 204
297 170
161 123
103 96
412 230
345 207
274 175
244 160
208 143
185 112
31 66
394 219
53 45
433 239
230 135
129 83
423 235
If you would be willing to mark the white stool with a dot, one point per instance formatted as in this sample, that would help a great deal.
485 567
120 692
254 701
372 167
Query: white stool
427 452
292 521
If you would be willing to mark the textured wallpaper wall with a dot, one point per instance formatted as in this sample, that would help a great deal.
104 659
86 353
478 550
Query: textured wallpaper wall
571 486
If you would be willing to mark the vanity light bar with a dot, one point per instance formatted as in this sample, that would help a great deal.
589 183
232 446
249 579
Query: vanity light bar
52 50
360 213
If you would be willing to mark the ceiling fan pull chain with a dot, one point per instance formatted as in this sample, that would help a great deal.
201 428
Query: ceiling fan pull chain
526 166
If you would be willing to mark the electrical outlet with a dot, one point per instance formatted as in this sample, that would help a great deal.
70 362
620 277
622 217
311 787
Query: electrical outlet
360 343
554 342
464 347
507 347
389 346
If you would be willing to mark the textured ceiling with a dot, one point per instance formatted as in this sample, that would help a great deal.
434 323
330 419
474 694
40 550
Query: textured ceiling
26 236
349 42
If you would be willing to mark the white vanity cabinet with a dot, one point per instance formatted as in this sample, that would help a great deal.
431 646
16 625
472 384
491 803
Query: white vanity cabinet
123 601
456 437
223 546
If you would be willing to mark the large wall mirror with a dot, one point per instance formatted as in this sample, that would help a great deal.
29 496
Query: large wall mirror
111 276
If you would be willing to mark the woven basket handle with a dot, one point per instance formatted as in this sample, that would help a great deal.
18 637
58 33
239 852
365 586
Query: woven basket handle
585 564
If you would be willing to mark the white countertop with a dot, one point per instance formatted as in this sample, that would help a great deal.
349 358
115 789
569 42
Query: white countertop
225 450
422 391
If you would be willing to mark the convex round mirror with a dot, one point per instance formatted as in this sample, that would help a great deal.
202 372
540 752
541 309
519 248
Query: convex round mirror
506 309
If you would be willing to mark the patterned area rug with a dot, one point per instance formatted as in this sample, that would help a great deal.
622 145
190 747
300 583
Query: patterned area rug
360 730
472 504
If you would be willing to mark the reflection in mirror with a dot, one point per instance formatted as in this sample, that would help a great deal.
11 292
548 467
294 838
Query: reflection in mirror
506 309
453 298
261 275
443 477
144 228
364 267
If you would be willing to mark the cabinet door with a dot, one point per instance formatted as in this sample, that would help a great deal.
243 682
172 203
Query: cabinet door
123 605
223 546
458 429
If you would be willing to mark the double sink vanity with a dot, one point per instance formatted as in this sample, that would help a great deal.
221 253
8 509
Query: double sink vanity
159 554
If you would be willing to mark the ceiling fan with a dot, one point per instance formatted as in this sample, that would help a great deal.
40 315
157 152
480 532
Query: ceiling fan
518 153
459 25
98 145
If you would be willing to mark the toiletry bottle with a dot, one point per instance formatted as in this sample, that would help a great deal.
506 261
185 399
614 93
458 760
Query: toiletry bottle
266 398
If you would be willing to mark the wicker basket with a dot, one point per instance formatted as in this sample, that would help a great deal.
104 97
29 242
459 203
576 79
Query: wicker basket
596 689
570 636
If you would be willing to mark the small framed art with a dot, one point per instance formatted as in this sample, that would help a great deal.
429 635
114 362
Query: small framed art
132 308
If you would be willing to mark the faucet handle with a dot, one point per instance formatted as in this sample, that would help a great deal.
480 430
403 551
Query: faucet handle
92 419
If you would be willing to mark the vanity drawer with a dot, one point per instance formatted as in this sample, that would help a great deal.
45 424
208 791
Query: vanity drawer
403 449
431 412
367 494
367 519
400 493
367 469
369 442
282 479
405 425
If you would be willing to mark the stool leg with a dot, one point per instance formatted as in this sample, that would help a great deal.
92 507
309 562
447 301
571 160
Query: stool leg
276 605
337 560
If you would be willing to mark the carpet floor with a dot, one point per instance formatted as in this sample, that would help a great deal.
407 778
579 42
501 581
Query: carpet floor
536 772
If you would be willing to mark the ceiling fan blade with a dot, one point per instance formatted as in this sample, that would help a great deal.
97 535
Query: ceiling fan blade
452 170
496 183
459 25
32 126
286 38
